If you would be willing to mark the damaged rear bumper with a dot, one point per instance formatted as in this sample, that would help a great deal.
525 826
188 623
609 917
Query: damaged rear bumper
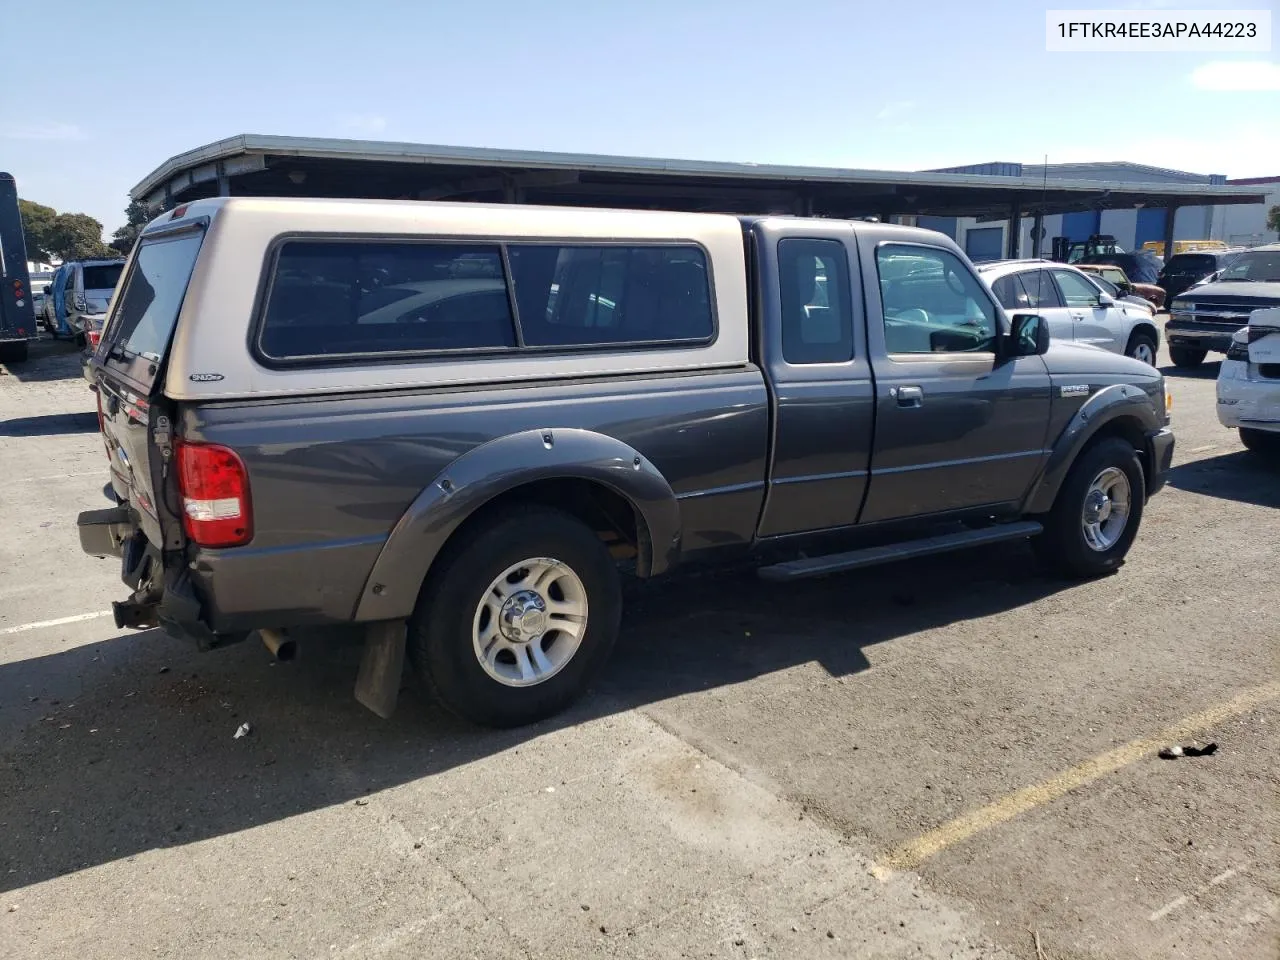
162 595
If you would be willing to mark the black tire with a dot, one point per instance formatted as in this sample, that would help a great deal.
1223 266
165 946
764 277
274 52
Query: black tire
1187 358
1063 546
13 352
1137 342
1261 441
440 642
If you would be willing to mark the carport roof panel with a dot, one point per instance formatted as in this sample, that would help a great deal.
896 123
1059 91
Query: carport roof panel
957 192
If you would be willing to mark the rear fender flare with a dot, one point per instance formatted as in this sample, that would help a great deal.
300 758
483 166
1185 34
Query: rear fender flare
501 465
1104 407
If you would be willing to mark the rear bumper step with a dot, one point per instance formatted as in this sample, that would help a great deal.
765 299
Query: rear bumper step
103 532
889 553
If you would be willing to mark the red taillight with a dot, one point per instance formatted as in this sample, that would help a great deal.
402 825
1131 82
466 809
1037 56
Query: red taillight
216 511
92 337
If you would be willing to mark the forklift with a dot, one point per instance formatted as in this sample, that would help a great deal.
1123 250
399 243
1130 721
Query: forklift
1066 250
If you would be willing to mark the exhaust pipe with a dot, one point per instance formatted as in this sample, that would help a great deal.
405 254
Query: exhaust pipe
282 647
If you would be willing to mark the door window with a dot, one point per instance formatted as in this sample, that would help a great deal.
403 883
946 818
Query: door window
816 322
1076 290
1041 293
936 305
1010 292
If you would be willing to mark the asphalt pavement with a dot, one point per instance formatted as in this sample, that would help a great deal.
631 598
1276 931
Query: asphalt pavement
951 757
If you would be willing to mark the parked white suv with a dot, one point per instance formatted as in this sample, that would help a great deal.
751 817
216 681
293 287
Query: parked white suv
1076 307
1249 382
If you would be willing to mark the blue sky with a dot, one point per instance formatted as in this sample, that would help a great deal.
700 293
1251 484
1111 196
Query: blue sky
98 96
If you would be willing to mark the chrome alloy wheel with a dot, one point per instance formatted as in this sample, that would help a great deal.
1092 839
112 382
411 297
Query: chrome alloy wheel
530 622
1106 509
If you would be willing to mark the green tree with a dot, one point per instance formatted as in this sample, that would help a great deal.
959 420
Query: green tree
77 236
51 235
1273 218
37 229
137 215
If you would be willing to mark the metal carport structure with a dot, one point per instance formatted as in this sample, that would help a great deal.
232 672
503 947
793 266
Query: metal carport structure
259 165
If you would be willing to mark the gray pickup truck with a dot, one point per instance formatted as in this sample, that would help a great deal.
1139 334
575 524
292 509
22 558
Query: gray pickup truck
459 426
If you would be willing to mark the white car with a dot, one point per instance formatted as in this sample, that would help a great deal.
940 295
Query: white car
1077 308
1249 382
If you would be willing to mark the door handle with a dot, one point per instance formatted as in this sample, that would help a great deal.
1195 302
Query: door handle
907 396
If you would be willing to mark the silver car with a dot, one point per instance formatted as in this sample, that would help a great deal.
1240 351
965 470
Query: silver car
1076 306
82 291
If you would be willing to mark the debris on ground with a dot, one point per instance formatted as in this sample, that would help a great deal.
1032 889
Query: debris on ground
1172 753
242 731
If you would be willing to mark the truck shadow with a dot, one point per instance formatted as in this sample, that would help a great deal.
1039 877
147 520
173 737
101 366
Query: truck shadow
49 425
1241 476
143 756
1206 371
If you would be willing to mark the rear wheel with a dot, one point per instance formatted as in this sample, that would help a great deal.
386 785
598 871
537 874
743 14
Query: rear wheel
14 352
1261 441
518 618
1097 513
1187 358
1142 347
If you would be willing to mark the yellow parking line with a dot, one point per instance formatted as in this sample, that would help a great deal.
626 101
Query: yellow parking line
911 854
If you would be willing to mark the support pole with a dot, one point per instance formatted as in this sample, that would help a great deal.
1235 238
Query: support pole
1015 231
1170 217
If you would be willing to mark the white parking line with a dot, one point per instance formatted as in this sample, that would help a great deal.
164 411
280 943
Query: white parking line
1169 907
60 476
1178 903
1223 877
40 624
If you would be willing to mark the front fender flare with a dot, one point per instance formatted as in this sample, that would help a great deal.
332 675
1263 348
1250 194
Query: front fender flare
500 465
1104 407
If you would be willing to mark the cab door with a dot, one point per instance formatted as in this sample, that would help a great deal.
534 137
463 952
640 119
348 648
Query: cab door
811 337
958 425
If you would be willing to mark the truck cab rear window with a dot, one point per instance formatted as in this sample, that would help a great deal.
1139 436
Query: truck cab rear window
336 298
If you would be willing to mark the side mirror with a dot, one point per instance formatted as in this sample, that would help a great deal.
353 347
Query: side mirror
1106 300
1030 336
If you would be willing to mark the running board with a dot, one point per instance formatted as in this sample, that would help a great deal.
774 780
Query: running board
872 556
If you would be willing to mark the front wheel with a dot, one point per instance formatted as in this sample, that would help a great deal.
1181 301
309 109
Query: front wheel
1187 358
517 618
1097 513
1142 347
